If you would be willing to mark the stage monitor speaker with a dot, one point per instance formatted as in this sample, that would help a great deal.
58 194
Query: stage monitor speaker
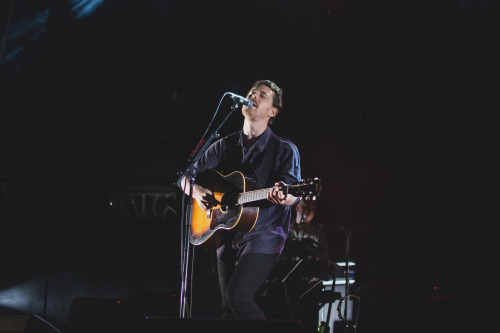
392 311
97 315
108 315
169 324
467 314
17 323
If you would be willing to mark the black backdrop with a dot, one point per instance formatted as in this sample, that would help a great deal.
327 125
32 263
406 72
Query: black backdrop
390 103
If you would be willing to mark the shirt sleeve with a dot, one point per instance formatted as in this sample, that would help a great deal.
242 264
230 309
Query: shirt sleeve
210 159
289 160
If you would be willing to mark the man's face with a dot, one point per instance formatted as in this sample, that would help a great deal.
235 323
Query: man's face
262 97
305 212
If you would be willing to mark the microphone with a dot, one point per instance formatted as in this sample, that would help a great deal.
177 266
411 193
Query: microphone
237 98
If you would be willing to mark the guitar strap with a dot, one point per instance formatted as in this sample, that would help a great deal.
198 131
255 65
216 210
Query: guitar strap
267 162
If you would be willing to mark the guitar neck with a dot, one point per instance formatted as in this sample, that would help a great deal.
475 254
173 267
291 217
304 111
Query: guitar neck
254 195
305 190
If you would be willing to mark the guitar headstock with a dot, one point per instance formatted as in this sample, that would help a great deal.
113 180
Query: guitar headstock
308 189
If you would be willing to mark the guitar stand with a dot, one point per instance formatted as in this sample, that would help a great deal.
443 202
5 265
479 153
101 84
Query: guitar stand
286 289
292 270
301 295
308 290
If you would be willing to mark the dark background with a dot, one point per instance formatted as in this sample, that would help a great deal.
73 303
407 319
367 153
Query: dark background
391 104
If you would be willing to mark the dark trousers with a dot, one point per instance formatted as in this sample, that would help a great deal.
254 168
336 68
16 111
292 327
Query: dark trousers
239 281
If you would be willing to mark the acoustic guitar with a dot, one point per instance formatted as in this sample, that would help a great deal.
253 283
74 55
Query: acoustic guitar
231 210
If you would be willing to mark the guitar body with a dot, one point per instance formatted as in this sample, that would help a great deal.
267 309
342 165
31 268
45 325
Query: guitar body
228 216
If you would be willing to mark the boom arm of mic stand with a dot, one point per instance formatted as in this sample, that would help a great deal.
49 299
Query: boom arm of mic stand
190 168
203 148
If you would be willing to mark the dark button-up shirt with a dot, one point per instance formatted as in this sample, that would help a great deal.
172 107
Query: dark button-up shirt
273 222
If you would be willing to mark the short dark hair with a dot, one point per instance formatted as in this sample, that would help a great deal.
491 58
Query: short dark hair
278 94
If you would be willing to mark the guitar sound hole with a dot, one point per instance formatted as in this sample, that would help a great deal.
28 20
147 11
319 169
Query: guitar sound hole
228 200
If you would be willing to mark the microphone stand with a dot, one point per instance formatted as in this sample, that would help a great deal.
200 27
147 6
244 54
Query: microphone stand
348 233
190 174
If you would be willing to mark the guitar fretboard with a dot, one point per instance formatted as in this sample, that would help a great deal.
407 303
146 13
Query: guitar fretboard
255 195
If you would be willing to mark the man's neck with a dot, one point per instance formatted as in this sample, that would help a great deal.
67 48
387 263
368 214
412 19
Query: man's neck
253 129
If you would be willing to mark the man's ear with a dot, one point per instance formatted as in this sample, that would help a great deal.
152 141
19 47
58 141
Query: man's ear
274 112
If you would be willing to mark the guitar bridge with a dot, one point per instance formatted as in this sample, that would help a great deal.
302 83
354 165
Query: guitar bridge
209 213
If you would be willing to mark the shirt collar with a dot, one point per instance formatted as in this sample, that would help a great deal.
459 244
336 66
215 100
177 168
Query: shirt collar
261 142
